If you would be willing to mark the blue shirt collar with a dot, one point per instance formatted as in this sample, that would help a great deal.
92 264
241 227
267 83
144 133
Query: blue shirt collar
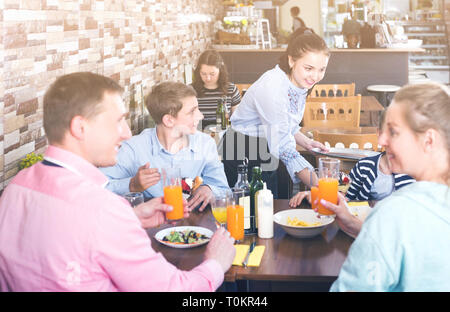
157 146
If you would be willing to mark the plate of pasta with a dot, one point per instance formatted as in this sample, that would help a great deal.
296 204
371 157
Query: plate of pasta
302 223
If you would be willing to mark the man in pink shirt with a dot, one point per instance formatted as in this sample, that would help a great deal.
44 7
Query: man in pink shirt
60 230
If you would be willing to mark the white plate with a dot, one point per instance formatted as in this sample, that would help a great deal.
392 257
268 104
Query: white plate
360 211
346 153
160 235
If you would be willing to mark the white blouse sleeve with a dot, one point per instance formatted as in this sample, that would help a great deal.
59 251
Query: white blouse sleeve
274 111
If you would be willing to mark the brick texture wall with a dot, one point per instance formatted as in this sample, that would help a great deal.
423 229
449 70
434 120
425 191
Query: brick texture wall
136 42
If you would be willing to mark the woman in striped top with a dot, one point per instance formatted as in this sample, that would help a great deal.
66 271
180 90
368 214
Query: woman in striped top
211 83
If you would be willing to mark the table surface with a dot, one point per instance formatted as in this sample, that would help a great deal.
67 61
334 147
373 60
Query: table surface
285 258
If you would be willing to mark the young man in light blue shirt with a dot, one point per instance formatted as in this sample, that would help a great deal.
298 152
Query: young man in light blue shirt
174 142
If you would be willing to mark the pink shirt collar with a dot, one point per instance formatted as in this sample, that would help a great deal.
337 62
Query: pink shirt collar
75 164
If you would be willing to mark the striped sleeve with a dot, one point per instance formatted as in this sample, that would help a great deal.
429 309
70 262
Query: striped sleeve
207 102
402 180
362 175
233 92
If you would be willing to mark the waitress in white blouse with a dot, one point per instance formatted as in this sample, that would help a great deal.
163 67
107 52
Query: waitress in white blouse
272 110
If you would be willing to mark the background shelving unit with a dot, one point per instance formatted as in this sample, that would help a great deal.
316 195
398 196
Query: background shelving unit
431 27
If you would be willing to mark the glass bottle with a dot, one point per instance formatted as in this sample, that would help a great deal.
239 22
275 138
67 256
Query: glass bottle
221 122
255 186
242 183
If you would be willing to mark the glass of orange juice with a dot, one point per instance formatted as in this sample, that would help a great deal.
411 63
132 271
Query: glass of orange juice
219 207
235 214
172 192
328 183
314 186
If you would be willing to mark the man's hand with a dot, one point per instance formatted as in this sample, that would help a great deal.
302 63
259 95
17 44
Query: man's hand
144 178
202 195
152 213
221 249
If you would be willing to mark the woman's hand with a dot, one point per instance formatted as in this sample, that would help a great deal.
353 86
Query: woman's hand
308 143
347 222
316 144
298 198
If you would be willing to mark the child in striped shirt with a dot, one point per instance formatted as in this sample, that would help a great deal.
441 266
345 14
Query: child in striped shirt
372 177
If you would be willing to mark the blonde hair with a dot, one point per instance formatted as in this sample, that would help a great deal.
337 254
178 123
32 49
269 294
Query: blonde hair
428 107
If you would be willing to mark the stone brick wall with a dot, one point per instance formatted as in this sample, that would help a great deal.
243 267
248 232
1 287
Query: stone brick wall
136 42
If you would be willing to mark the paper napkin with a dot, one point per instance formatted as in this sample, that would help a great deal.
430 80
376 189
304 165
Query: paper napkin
241 252
362 203
255 256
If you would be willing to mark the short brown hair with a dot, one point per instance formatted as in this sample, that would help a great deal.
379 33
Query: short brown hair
165 98
71 95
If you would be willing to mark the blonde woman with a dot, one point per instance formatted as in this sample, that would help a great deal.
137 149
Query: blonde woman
403 244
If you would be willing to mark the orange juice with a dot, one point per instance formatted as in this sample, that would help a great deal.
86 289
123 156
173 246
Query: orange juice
328 190
235 221
314 196
220 214
173 196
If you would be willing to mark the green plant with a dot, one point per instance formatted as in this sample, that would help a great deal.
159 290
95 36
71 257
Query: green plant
30 160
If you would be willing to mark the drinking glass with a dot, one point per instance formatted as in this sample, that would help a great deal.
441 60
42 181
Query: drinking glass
219 207
328 183
314 187
235 215
134 198
173 195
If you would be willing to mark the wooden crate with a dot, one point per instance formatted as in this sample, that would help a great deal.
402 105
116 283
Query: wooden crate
224 37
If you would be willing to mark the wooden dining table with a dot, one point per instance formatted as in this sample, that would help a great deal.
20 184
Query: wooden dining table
285 259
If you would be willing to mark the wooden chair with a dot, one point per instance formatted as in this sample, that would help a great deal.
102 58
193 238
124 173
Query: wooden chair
333 90
342 140
337 112
243 87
